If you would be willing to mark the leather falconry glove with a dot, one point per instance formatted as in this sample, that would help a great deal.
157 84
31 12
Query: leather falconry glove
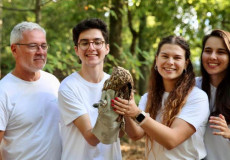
109 123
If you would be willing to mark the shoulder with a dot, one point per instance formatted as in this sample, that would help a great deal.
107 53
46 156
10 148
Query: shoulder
6 78
70 77
48 75
196 109
72 82
143 101
197 94
198 82
197 99
6 82
106 76
50 80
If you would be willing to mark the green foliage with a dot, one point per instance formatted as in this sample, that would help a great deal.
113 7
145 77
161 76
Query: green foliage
7 61
151 20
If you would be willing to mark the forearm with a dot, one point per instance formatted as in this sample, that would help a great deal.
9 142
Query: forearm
158 132
91 138
169 137
85 127
133 130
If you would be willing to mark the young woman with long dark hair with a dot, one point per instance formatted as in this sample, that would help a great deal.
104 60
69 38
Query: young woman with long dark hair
215 81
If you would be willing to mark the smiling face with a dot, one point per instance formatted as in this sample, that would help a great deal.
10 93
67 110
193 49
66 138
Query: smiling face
27 60
215 57
171 62
92 57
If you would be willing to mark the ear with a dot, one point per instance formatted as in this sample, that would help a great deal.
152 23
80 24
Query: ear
14 50
107 48
186 64
76 50
156 57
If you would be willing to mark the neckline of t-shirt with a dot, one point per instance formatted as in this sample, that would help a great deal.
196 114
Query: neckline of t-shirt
90 83
165 96
212 87
26 82
166 93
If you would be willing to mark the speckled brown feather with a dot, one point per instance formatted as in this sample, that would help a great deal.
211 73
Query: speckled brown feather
120 81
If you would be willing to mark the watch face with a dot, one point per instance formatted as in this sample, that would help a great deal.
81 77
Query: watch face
140 117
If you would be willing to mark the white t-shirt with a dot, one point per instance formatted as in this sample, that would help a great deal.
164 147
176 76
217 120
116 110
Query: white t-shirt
30 118
218 147
196 113
76 98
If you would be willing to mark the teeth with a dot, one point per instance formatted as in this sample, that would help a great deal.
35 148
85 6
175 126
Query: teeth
169 69
213 64
91 55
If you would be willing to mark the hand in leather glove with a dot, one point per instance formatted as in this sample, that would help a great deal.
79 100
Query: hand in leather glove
109 123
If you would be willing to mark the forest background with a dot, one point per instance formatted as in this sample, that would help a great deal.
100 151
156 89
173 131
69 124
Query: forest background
136 27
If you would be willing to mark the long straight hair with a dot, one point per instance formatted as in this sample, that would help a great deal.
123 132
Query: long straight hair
222 98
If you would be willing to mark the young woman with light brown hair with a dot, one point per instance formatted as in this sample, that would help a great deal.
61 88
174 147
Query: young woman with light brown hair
178 111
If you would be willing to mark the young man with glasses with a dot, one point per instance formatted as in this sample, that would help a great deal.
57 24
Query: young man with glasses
29 117
80 90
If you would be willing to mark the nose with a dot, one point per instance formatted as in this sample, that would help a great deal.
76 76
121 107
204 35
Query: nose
40 50
213 55
170 60
91 47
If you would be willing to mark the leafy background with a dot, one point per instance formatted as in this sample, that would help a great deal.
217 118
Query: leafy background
136 27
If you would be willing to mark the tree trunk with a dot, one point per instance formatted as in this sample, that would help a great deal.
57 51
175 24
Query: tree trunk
134 33
38 11
116 29
142 86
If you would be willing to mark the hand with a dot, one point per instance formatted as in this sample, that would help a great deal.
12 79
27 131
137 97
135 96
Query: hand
220 124
125 107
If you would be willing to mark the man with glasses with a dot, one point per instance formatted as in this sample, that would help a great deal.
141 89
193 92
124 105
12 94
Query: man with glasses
80 90
29 117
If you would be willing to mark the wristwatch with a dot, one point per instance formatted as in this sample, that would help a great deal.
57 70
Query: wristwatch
140 117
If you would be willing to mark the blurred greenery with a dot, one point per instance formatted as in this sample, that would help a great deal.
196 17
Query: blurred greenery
143 24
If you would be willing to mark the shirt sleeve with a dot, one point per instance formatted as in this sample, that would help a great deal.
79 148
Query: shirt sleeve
70 106
196 109
4 114
143 102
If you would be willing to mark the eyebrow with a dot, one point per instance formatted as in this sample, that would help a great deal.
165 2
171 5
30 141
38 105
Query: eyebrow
95 39
165 53
221 49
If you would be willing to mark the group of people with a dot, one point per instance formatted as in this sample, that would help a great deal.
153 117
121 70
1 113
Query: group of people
182 117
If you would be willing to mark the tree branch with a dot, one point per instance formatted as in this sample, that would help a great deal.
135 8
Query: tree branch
134 33
130 23
18 9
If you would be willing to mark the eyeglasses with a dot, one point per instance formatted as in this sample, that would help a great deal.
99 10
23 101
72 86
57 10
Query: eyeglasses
97 44
35 46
